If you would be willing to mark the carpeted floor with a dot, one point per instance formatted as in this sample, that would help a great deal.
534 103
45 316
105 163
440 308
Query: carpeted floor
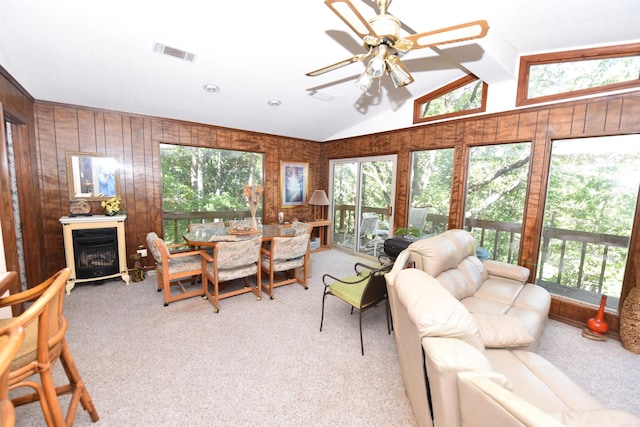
265 363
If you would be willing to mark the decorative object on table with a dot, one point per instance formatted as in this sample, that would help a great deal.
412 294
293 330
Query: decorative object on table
293 183
319 198
111 206
281 218
597 326
79 207
253 194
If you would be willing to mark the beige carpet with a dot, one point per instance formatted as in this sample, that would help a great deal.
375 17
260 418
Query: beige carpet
265 363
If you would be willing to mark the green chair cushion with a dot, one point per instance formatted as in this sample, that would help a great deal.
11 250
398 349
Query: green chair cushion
350 292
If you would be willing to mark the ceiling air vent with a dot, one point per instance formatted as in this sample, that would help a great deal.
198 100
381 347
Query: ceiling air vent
172 51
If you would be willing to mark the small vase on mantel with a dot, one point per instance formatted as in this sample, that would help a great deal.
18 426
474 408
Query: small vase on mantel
597 325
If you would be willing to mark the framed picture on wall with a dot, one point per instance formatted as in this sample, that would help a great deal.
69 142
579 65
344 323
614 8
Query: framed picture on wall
294 177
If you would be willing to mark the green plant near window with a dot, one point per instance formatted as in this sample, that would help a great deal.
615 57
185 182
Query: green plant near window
408 232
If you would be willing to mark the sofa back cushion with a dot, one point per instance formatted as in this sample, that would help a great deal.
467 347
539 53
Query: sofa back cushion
451 258
433 310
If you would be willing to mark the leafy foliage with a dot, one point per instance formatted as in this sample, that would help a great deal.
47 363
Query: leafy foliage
198 179
467 97
592 192
561 77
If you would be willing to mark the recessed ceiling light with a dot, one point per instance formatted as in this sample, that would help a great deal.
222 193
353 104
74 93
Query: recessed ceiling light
274 103
211 88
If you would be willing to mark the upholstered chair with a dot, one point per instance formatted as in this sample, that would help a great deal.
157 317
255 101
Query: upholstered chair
300 228
174 268
231 261
284 255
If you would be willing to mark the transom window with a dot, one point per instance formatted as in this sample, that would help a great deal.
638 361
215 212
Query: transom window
561 75
464 96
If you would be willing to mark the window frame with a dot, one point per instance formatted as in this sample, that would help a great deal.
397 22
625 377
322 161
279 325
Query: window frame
470 78
526 62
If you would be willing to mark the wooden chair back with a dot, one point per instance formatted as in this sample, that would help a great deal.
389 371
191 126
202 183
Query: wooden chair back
45 327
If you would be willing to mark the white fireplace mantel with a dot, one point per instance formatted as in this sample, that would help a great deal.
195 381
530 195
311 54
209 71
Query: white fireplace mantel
91 222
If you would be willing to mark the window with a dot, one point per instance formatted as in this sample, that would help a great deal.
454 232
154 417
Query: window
549 77
591 201
496 190
464 96
205 184
431 177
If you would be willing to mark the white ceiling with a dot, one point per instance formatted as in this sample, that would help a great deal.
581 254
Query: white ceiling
98 53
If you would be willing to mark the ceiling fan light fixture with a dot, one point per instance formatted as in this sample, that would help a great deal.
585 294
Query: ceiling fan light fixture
376 67
364 82
399 74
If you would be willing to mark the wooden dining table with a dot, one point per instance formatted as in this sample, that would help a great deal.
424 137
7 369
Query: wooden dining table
208 237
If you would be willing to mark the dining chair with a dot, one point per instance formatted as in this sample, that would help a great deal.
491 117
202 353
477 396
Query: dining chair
230 261
300 228
173 268
45 344
11 339
362 291
283 256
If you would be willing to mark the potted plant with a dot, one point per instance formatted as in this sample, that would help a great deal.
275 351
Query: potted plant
111 206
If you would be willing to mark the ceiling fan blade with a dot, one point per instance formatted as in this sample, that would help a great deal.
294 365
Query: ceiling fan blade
457 33
350 15
337 65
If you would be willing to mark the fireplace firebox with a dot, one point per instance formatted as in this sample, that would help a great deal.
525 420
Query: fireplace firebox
96 252
95 248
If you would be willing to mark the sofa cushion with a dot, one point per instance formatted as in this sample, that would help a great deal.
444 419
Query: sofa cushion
464 280
434 255
540 383
433 310
597 418
484 402
508 271
502 331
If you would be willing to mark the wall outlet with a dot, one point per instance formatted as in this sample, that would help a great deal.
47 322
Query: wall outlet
142 252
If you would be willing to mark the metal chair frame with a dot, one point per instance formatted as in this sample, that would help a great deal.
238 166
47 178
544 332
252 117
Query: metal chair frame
373 293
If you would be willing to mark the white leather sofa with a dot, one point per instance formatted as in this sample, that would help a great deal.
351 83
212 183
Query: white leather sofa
437 338
509 311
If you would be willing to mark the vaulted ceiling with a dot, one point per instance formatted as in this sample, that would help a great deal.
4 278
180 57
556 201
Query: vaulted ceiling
100 54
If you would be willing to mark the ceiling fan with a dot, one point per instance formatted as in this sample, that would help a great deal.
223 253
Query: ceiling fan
381 37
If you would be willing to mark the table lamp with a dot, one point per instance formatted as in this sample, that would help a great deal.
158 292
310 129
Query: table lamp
319 198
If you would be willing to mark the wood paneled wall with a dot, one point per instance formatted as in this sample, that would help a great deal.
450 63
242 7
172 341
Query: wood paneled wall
135 141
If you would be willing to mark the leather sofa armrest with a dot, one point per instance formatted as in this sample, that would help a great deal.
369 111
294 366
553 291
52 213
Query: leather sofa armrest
508 271
484 402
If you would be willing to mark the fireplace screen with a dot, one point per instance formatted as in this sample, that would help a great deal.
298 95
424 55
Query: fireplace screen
96 252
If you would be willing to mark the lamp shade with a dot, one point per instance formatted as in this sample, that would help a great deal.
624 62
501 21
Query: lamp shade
319 198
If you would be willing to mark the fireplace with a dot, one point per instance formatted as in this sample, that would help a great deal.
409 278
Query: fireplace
95 248
96 252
